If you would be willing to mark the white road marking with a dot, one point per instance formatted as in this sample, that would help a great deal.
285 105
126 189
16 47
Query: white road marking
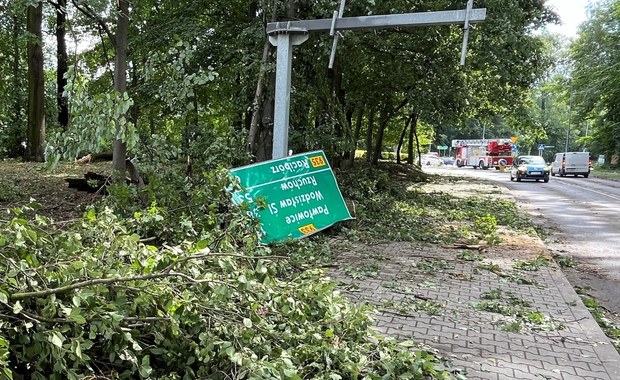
612 196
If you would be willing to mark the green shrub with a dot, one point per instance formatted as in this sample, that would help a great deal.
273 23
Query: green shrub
486 228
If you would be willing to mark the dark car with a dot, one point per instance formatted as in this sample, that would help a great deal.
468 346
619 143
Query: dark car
529 167
448 160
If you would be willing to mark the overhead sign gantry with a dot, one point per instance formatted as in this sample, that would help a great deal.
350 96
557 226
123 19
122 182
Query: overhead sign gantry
285 35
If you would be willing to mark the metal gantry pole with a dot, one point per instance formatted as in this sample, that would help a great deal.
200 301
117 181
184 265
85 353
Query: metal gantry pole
470 5
282 97
284 43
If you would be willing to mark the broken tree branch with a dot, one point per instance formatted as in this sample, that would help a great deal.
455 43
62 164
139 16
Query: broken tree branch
166 272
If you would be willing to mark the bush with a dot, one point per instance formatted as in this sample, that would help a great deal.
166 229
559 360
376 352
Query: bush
180 208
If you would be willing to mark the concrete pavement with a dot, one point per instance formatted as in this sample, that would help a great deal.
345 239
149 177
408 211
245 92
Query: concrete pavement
494 320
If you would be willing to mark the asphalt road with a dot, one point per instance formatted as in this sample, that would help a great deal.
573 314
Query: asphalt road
583 215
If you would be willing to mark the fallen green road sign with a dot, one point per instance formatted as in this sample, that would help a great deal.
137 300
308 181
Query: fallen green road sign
292 197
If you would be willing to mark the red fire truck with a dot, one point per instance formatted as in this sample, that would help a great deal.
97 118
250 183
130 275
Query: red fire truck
483 153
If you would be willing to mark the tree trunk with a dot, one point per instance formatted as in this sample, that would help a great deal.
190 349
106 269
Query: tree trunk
61 57
35 151
258 96
414 128
350 132
16 148
257 103
263 147
266 131
402 139
119 153
371 126
413 133
356 135
386 114
339 97
383 120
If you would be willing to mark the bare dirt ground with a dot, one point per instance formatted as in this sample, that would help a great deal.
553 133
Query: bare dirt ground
514 245
21 181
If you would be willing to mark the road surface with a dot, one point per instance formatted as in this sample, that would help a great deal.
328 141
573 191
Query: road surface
583 215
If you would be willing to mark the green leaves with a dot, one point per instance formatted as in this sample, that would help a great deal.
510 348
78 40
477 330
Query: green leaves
56 338
4 358
76 316
145 367
93 117
17 308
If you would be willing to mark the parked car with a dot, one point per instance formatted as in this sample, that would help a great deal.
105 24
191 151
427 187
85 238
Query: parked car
449 160
430 160
529 167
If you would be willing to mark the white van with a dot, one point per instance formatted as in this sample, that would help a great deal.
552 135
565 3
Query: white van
575 163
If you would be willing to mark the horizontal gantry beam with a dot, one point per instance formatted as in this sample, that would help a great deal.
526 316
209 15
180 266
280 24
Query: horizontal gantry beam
379 21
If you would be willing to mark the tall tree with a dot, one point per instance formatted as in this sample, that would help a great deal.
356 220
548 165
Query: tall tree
13 80
369 132
196 67
258 99
61 62
35 150
120 85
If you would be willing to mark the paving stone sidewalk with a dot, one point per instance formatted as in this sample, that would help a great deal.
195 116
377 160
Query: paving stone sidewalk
409 282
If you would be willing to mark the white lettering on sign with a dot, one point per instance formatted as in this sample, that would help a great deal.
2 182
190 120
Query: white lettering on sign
272 208
252 213
301 199
290 166
307 214
246 197
298 183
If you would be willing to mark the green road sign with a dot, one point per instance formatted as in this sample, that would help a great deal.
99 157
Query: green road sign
293 197
442 147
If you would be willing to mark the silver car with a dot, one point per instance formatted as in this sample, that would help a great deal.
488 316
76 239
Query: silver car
430 160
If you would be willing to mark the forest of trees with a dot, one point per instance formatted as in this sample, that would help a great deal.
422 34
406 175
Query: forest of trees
197 77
